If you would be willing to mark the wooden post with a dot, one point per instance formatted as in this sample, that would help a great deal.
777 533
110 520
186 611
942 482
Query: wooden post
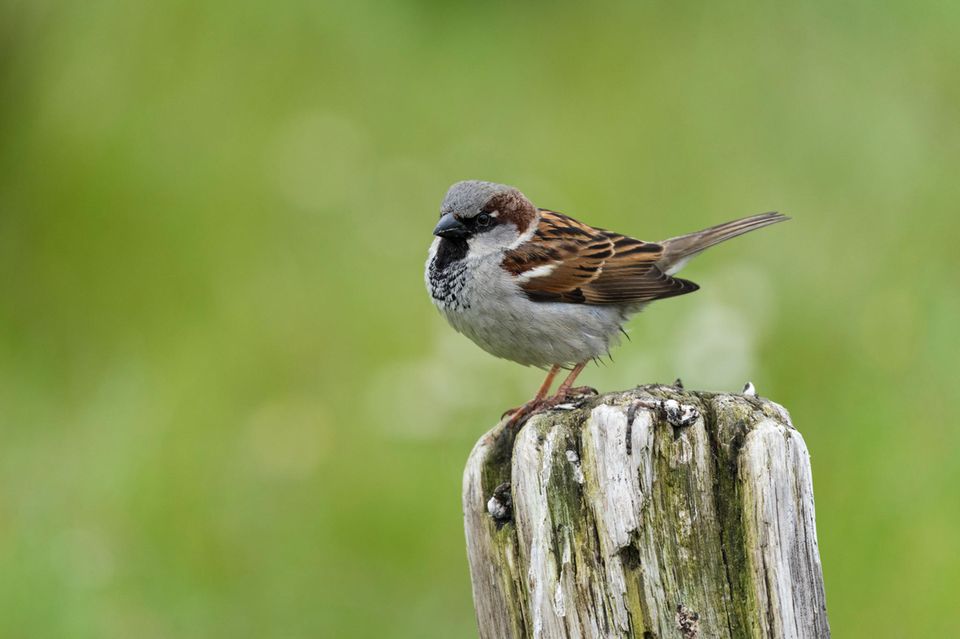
652 513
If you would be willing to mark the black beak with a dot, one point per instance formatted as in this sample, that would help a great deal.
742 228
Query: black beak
451 227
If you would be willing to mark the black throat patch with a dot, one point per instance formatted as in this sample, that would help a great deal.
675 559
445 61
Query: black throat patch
448 273
450 251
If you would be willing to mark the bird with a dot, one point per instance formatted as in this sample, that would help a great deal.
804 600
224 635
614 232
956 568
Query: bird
540 288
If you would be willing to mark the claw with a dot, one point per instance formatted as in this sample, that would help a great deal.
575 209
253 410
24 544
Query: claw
519 416
574 396
580 391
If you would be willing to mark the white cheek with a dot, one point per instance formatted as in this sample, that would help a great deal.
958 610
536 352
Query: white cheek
526 236
497 239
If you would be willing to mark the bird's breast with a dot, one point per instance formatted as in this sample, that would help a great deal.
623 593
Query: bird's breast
446 283
482 301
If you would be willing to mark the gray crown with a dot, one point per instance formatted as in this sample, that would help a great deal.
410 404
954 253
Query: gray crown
469 196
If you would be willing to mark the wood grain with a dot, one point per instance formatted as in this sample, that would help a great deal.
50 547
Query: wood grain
631 520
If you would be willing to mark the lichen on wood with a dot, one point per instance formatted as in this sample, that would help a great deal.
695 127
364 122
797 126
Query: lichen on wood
652 513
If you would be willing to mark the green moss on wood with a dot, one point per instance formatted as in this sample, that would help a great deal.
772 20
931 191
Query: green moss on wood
690 539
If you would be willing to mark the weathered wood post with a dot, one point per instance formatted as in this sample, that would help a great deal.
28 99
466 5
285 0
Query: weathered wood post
652 513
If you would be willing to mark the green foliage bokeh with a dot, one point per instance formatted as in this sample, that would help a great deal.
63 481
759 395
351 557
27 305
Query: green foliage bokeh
227 407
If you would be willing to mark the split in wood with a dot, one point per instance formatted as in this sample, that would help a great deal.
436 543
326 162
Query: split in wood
708 532
676 414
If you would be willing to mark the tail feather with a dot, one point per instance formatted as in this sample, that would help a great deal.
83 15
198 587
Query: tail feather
678 250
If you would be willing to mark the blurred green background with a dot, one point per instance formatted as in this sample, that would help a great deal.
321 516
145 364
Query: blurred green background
227 406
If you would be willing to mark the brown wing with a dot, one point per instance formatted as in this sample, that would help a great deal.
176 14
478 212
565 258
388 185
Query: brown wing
568 261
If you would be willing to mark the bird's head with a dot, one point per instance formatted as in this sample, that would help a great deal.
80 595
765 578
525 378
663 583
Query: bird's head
485 216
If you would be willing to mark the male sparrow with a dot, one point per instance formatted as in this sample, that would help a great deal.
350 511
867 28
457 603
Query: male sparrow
540 288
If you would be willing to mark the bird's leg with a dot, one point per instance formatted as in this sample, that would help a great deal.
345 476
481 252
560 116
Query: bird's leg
547 383
533 404
566 390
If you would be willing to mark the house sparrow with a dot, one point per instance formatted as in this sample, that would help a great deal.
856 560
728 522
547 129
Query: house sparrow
542 289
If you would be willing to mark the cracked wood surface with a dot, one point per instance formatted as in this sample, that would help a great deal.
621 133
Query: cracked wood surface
623 519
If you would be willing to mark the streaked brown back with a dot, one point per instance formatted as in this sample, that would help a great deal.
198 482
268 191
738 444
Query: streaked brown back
576 263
